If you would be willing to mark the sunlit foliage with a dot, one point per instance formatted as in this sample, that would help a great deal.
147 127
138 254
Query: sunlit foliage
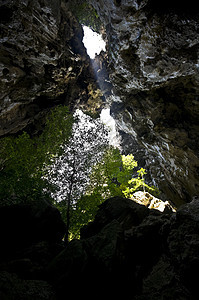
113 176
23 159
70 172
70 163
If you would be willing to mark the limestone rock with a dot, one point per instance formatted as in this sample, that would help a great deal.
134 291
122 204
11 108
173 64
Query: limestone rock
153 61
152 202
153 55
43 61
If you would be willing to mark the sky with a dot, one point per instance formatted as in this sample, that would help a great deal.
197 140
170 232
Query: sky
108 120
93 42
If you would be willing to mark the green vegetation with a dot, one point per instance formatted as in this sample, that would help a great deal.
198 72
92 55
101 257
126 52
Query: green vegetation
70 172
23 159
85 14
70 163
113 176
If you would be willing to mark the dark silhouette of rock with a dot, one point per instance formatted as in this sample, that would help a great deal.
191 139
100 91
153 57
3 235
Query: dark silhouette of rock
25 224
12 287
128 251
133 252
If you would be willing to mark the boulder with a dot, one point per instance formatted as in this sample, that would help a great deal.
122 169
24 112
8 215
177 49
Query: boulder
183 244
152 202
12 287
112 209
131 252
67 271
31 236
23 225
128 251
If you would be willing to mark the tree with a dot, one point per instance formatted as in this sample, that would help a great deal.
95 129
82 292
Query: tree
115 176
24 160
103 179
70 172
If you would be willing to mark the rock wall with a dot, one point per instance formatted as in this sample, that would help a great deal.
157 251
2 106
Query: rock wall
153 63
31 236
43 62
127 252
153 54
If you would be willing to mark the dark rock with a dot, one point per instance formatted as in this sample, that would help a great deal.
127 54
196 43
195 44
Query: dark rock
67 269
112 209
30 262
183 244
132 252
129 251
162 283
31 236
22 225
172 6
12 287
103 247
69 260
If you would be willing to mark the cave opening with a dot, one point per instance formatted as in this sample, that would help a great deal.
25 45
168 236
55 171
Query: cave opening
58 184
93 42
95 45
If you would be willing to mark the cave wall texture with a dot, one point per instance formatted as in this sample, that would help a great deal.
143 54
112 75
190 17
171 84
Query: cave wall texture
153 53
43 62
129 251
153 62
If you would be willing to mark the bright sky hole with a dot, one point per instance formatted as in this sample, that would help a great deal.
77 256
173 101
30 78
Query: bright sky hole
108 120
93 42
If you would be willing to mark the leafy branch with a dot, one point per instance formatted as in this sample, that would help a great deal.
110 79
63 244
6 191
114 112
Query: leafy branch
24 160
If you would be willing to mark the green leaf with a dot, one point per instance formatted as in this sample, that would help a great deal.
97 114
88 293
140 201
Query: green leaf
24 159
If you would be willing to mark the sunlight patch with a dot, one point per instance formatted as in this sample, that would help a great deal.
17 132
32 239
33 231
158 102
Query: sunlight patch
93 42
108 121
